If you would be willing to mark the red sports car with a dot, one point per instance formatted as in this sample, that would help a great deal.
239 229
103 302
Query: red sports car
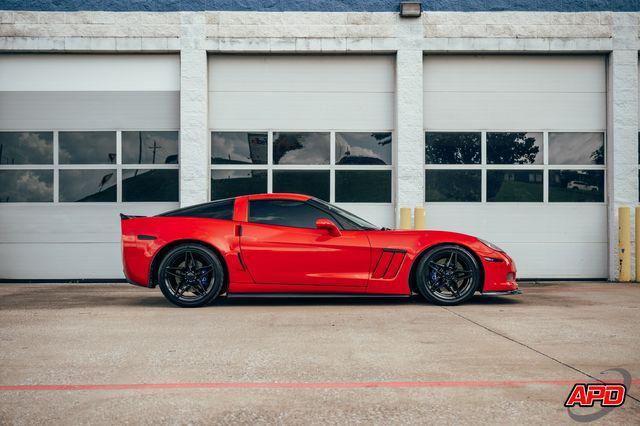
296 244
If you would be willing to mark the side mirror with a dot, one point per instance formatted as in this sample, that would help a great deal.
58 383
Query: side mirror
328 226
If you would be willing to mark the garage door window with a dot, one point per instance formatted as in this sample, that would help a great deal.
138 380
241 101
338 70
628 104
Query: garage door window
89 166
582 157
522 155
26 167
514 167
449 156
157 181
343 167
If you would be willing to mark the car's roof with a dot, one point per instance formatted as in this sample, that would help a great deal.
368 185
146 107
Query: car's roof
279 195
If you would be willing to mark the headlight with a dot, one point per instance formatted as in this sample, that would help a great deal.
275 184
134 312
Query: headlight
491 245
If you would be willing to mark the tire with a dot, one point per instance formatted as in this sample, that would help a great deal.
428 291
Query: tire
448 275
191 275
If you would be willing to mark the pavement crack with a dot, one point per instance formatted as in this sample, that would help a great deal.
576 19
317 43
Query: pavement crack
511 339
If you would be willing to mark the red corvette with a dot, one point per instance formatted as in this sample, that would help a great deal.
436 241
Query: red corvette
296 244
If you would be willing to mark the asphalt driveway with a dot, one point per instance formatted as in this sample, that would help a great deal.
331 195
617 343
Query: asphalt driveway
101 353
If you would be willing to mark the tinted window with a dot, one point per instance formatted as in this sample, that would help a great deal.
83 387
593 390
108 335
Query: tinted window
576 148
232 183
576 185
363 186
87 147
19 186
88 186
452 148
26 148
149 147
301 148
514 185
363 148
313 182
238 148
514 148
149 185
453 185
222 209
285 213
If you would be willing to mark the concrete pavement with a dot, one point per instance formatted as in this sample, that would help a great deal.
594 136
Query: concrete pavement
498 360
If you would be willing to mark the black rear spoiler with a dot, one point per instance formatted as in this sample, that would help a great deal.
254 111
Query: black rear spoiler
128 216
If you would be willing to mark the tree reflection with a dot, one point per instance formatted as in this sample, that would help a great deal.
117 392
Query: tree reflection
452 148
513 148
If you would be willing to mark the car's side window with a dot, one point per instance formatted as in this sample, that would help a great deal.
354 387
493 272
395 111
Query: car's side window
222 210
292 213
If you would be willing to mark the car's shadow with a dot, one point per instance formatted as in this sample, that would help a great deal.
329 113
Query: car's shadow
351 301
88 296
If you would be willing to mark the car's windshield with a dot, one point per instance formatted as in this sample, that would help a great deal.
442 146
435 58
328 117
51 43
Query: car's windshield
361 223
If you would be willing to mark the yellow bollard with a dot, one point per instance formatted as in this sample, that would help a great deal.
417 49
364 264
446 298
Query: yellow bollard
405 218
624 243
637 244
418 218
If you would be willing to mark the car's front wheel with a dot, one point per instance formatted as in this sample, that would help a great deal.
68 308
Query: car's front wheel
190 275
448 275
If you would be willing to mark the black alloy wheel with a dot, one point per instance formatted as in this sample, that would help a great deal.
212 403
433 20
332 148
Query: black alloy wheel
448 275
190 275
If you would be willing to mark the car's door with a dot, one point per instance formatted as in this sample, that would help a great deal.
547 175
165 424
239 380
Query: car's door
280 245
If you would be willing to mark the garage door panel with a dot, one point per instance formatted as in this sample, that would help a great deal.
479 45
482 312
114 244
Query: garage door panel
547 241
70 223
299 111
509 73
571 261
89 72
107 110
536 111
513 223
301 73
60 261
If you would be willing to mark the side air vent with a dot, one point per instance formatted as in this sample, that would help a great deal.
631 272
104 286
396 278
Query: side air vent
388 264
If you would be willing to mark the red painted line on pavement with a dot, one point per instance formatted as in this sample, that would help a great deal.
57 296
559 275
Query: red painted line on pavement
296 385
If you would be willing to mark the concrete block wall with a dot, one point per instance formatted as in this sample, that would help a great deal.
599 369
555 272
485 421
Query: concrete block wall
196 34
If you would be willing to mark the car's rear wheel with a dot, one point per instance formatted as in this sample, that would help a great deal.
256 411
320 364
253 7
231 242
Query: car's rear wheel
190 275
448 275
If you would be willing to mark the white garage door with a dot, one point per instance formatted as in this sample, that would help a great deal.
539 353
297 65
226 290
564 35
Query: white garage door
82 138
515 154
320 125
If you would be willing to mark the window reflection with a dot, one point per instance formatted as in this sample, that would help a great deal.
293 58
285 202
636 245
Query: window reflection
363 148
514 185
238 148
26 186
88 186
285 213
26 148
453 185
232 183
363 186
576 148
576 185
514 148
87 147
149 185
301 148
314 183
150 147
452 148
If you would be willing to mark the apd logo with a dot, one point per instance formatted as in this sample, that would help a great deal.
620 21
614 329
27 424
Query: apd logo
606 395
